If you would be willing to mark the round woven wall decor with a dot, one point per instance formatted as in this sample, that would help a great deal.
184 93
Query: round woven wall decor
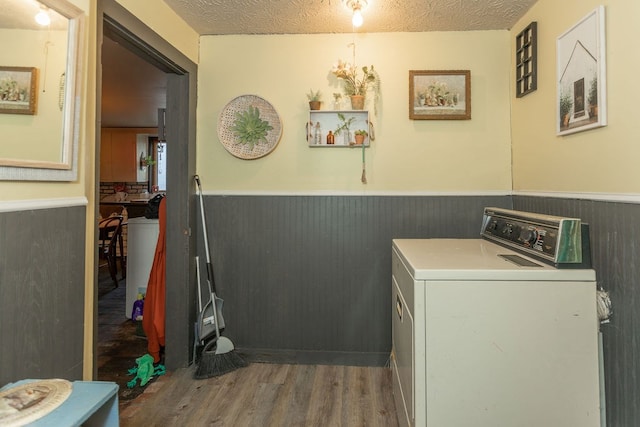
25 403
228 118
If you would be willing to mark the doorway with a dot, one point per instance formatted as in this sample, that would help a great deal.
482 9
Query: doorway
181 73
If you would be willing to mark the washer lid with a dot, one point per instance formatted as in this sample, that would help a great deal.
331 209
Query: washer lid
477 259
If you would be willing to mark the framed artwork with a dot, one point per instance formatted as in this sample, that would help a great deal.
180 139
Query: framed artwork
581 75
440 95
527 60
18 90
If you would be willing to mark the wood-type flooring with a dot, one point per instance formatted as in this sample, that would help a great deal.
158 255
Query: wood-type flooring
268 395
119 339
261 394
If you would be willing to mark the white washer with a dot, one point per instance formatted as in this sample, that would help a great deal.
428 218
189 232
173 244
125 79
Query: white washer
481 341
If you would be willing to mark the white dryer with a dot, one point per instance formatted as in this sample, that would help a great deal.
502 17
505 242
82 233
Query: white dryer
497 331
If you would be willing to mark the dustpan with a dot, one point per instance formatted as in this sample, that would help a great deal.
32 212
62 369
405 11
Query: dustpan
206 325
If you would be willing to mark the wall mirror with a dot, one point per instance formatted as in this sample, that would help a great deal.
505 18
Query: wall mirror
40 71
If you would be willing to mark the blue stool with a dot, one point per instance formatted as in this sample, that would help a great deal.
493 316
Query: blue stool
91 403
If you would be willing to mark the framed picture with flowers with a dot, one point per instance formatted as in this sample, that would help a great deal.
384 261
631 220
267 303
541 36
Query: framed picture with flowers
18 90
439 94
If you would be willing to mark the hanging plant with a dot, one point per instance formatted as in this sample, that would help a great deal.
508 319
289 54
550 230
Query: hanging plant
146 161
249 128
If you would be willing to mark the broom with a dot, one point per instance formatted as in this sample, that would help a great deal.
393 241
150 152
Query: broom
218 355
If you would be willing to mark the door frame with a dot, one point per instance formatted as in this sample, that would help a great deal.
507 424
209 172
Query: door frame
181 208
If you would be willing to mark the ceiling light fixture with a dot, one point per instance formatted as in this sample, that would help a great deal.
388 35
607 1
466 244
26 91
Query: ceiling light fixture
42 17
356 6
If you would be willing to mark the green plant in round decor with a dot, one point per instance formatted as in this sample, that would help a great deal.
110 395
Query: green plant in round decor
249 128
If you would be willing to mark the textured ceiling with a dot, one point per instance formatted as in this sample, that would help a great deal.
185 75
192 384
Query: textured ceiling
20 14
333 16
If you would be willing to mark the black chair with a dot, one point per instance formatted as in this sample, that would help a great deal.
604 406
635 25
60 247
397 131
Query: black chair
110 235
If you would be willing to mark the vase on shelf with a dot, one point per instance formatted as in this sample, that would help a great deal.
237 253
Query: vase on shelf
359 139
357 102
314 105
346 135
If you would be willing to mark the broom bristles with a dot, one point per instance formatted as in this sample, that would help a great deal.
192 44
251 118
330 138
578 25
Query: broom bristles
213 365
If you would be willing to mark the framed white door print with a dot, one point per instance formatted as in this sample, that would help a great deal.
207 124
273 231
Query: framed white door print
581 75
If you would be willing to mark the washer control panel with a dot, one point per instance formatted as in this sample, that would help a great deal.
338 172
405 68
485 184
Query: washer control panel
557 240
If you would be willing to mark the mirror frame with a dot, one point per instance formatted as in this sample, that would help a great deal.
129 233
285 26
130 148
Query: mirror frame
67 168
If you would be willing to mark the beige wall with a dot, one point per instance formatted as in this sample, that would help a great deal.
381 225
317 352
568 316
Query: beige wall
603 160
158 16
30 137
407 155
26 190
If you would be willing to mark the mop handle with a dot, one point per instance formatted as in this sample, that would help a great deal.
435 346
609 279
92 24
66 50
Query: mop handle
198 279
204 222
210 281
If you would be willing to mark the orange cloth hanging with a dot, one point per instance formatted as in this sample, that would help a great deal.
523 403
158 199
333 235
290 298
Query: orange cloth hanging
154 304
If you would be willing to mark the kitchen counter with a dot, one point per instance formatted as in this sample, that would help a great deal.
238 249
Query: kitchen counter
130 199
136 204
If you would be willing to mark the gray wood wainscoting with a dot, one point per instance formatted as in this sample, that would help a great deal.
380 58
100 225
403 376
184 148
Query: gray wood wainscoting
304 278
42 292
307 279
615 232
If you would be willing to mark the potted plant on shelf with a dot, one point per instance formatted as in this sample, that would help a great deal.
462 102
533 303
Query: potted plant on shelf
360 135
314 99
357 87
344 127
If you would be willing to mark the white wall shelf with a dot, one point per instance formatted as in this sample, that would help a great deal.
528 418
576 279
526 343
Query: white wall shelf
322 121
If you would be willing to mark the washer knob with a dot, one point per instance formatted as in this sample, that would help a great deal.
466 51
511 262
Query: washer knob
528 236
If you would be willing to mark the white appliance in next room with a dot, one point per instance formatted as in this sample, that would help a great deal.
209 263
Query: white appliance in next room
500 331
142 237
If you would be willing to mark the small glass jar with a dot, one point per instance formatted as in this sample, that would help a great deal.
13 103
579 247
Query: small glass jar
331 139
317 134
346 135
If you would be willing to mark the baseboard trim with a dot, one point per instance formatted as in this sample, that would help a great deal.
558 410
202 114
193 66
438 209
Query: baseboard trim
306 357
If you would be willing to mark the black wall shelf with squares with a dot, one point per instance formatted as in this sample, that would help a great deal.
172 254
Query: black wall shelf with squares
527 60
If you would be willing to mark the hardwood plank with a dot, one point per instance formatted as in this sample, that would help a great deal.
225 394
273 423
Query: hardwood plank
192 404
382 403
237 403
269 395
263 404
297 399
223 390
356 395
283 400
326 396
273 374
